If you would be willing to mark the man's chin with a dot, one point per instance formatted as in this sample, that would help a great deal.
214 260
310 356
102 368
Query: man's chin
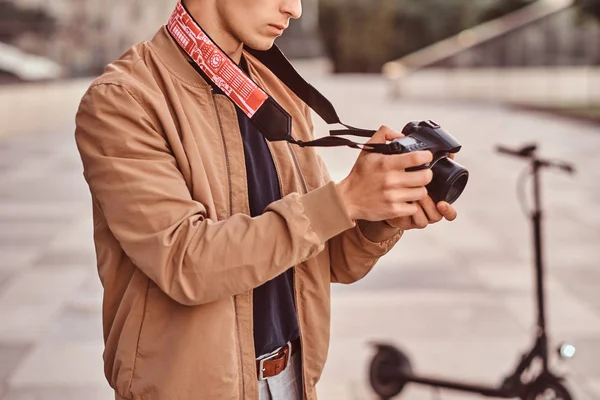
261 45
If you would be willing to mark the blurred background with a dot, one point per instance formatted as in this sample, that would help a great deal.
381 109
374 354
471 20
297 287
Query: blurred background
457 297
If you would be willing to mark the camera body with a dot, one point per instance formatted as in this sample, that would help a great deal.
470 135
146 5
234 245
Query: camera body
449 177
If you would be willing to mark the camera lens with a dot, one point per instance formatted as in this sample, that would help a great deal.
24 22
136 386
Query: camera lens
449 181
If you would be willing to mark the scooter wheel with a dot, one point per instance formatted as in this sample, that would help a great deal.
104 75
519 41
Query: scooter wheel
549 390
388 372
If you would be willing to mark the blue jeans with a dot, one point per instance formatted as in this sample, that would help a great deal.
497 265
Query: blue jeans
285 386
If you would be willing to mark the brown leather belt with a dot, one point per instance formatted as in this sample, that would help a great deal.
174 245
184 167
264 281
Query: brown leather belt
276 363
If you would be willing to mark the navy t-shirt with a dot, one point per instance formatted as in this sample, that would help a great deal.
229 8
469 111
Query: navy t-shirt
275 317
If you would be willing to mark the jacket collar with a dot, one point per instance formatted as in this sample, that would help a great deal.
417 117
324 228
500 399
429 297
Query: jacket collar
177 61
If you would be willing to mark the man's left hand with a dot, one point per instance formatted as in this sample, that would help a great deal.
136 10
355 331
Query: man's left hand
429 213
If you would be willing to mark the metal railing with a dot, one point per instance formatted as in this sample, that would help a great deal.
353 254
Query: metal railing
395 71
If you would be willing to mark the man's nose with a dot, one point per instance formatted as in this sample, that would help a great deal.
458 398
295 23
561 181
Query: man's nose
292 7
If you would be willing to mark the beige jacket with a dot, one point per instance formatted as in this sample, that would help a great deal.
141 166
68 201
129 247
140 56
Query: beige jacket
177 253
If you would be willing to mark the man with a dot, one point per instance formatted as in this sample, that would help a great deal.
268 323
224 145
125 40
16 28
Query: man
216 248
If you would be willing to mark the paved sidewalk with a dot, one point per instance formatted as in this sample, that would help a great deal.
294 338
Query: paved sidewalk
456 296
39 106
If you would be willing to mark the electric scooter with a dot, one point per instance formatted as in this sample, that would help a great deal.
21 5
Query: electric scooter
390 369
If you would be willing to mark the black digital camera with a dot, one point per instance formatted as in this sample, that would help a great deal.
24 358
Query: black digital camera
449 177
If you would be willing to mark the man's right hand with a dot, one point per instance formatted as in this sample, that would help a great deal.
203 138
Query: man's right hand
378 187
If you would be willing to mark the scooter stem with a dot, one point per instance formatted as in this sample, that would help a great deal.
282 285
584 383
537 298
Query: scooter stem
529 152
536 218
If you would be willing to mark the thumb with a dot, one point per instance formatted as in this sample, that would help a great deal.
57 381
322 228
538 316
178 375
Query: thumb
384 134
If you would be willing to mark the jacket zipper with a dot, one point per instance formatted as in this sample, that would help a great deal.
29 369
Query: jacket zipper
226 152
235 307
297 164
276 167
304 186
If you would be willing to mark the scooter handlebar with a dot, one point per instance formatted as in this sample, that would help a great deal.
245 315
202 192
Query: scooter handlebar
524 152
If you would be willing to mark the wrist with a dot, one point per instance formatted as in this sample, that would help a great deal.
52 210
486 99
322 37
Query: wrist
342 189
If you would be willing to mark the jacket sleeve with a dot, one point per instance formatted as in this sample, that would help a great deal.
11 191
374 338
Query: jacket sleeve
133 177
354 252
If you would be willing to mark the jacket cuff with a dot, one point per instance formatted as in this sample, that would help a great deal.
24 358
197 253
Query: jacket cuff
326 211
377 232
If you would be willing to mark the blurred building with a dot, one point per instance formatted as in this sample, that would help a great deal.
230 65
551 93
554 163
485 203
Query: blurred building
560 39
18 66
91 33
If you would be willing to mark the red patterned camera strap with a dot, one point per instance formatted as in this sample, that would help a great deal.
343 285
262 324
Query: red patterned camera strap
215 63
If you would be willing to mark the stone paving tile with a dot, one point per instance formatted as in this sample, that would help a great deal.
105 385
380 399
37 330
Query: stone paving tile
45 190
359 390
11 356
594 385
61 364
27 232
36 239
65 392
26 323
32 209
34 287
75 236
88 298
24 175
9 215
17 257
75 326
567 316
4 278
28 303
66 257
422 314
586 360
475 361
583 282
416 277
413 250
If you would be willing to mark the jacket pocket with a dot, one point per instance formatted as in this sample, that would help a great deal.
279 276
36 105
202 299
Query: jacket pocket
137 355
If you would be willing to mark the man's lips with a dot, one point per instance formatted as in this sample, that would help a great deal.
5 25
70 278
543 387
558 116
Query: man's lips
281 27
277 29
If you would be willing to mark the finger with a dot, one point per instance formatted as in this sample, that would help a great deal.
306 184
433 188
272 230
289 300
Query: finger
433 214
410 179
447 210
384 134
404 210
408 160
392 134
408 194
420 220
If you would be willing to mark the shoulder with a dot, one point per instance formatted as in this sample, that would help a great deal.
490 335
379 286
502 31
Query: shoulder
130 76
125 87
119 98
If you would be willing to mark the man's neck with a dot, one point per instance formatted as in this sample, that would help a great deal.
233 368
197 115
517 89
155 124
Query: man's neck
206 16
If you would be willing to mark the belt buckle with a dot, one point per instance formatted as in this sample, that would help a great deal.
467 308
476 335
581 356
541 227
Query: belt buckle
289 354
261 369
